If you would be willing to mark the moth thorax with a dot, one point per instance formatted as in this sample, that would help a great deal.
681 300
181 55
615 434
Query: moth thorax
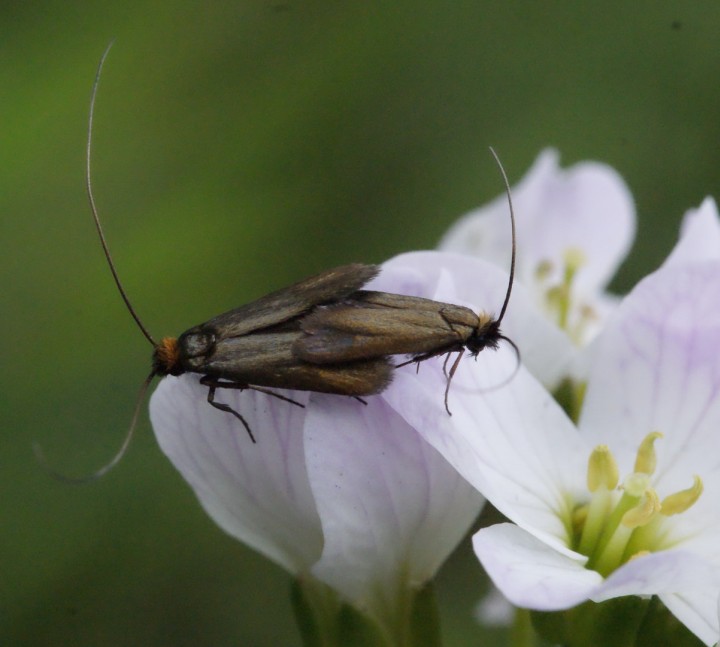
196 344
486 335
166 357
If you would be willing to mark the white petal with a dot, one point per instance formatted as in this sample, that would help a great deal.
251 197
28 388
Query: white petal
657 369
686 584
513 443
477 284
530 573
666 572
697 610
258 493
699 237
392 509
587 207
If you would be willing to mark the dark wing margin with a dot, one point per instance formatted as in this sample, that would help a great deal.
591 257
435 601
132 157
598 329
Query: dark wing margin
289 302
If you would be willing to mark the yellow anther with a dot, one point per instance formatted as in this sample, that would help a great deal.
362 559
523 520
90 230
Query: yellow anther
681 501
644 512
602 469
646 460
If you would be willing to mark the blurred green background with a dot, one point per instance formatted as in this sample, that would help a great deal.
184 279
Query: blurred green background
240 147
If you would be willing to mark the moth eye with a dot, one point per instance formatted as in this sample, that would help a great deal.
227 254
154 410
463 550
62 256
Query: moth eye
197 344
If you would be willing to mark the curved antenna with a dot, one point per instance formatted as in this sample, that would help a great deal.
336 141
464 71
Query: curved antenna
80 480
512 224
91 198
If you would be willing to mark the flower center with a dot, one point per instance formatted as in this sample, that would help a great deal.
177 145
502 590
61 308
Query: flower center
621 523
570 315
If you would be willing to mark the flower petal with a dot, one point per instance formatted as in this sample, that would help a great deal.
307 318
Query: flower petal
697 610
665 572
392 509
513 443
699 236
258 493
586 207
530 573
656 368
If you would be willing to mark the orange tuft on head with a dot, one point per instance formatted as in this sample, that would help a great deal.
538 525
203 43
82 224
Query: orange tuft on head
166 358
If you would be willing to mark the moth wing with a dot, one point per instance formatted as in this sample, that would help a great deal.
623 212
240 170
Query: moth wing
352 331
398 301
266 359
289 302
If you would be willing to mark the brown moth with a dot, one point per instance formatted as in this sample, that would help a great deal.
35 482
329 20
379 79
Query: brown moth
371 325
249 347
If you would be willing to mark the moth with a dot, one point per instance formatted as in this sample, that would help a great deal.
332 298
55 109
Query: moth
371 325
249 347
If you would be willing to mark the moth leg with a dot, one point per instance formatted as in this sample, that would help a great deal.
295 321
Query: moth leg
360 400
445 363
453 368
208 381
260 389
416 360
212 387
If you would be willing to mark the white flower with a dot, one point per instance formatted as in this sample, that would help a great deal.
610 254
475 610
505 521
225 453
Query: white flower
574 228
346 491
656 369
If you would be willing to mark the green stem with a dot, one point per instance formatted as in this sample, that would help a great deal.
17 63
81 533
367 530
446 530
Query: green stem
522 633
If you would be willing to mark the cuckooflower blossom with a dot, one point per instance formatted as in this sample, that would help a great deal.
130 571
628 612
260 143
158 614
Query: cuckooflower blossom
628 502
345 491
348 492
574 228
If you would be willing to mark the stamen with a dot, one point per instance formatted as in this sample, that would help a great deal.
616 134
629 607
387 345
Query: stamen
646 460
644 512
602 469
679 502
612 530
613 553
602 478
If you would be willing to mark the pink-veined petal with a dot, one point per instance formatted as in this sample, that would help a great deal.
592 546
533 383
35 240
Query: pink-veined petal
657 369
699 236
587 207
392 509
512 442
258 493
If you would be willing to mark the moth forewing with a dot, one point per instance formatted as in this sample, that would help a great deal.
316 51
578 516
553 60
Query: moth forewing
287 303
378 324
266 359
191 351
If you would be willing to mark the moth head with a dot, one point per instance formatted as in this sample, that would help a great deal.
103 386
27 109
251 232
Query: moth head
486 335
166 357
